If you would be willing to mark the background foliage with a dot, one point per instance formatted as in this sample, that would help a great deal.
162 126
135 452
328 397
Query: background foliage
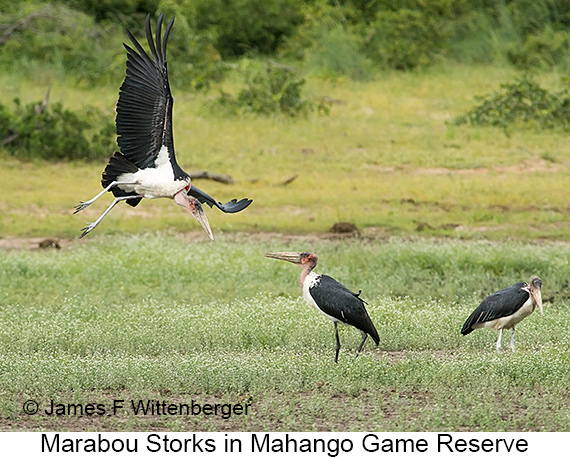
79 45
522 102
159 315
49 131
82 36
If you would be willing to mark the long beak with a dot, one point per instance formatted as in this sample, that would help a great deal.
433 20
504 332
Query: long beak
293 257
193 205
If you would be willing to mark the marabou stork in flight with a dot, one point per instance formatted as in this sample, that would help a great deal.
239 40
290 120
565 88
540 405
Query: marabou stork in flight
331 298
504 309
146 165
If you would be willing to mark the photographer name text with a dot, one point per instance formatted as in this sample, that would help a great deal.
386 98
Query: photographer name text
140 408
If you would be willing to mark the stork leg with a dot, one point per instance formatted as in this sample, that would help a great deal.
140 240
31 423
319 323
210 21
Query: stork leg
92 225
499 340
337 342
83 205
513 340
364 336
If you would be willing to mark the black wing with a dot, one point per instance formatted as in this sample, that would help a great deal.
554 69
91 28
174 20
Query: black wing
144 109
339 302
233 206
500 304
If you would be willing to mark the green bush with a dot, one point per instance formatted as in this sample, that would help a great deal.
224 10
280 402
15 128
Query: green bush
52 132
338 53
545 49
525 33
275 90
404 39
83 38
521 102
193 60
5 120
128 13
63 38
244 26
318 19
328 42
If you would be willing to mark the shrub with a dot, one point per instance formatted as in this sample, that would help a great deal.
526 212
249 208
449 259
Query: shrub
129 13
404 39
338 52
275 90
545 49
51 132
328 41
193 60
318 19
65 39
522 101
244 26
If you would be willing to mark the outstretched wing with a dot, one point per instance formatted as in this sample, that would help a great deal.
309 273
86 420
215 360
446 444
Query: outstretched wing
500 304
339 302
144 109
233 206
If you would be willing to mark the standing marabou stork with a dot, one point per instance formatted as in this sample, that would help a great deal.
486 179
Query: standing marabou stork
331 298
146 165
506 308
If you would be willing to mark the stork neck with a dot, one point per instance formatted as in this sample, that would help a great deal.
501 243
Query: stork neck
306 270
536 297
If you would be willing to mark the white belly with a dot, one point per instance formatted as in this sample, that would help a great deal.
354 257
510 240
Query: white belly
309 281
156 182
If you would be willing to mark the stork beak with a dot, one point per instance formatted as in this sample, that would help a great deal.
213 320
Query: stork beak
194 206
293 257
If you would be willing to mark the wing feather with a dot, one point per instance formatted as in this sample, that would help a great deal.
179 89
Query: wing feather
144 109
339 302
499 304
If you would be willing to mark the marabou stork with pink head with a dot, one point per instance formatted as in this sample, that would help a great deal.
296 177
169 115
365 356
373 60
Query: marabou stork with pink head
146 165
331 298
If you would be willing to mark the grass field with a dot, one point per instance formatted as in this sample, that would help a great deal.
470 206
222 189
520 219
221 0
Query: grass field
384 159
145 308
161 317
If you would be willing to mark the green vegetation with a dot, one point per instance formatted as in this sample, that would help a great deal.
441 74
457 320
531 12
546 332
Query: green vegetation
159 317
83 37
51 132
274 90
523 102
142 310
383 159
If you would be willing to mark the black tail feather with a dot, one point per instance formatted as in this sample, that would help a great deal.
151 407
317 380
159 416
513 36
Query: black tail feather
119 164
374 334
466 329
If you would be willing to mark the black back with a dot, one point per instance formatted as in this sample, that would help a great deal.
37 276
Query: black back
339 302
500 304
144 109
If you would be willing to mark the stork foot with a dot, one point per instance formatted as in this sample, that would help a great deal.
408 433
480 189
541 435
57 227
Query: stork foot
81 206
88 228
